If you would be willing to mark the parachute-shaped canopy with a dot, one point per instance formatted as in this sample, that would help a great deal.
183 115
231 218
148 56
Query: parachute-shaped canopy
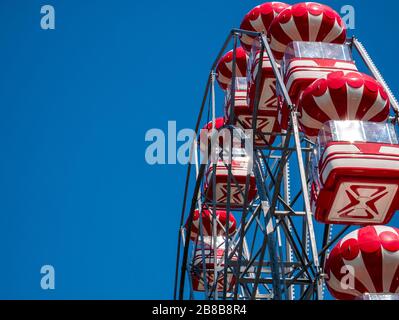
219 123
340 96
207 223
308 21
259 20
371 256
224 69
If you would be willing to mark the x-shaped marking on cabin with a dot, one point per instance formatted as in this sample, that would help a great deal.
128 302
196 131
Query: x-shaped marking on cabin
272 101
235 194
262 123
360 197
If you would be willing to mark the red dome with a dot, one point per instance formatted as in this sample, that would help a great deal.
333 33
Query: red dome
371 255
221 219
259 20
219 123
307 21
224 69
350 96
205 135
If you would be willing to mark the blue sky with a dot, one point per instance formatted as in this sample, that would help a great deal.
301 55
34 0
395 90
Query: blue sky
75 104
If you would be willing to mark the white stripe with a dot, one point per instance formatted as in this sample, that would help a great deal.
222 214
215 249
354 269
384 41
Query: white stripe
275 45
345 65
291 30
390 263
246 39
390 260
389 150
335 285
354 97
352 235
326 104
363 157
223 79
308 121
340 148
314 66
316 73
357 164
334 33
314 26
302 63
376 108
360 272
381 229
258 24
229 65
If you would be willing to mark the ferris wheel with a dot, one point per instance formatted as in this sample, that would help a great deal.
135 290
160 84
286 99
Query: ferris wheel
306 206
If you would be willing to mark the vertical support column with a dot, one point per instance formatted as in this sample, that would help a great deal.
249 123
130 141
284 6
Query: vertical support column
270 239
302 173
213 99
288 248
214 243
229 164
201 225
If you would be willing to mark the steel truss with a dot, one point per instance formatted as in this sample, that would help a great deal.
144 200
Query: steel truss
275 253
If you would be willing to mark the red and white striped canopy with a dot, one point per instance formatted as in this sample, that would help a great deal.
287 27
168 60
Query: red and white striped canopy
219 123
224 69
205 135
307 21
207 219
342 96
371 257
259 20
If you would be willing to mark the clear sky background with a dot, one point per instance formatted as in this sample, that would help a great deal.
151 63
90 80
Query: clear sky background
75 104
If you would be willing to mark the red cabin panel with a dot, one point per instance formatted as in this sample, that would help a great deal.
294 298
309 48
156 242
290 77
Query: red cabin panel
359 184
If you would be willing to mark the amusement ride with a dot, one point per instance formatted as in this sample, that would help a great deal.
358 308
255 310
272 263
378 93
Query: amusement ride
301 173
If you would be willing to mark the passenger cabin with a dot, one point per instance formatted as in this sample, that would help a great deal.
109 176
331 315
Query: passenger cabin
241 166
211 222
355 173
203 267
266 120
305 62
